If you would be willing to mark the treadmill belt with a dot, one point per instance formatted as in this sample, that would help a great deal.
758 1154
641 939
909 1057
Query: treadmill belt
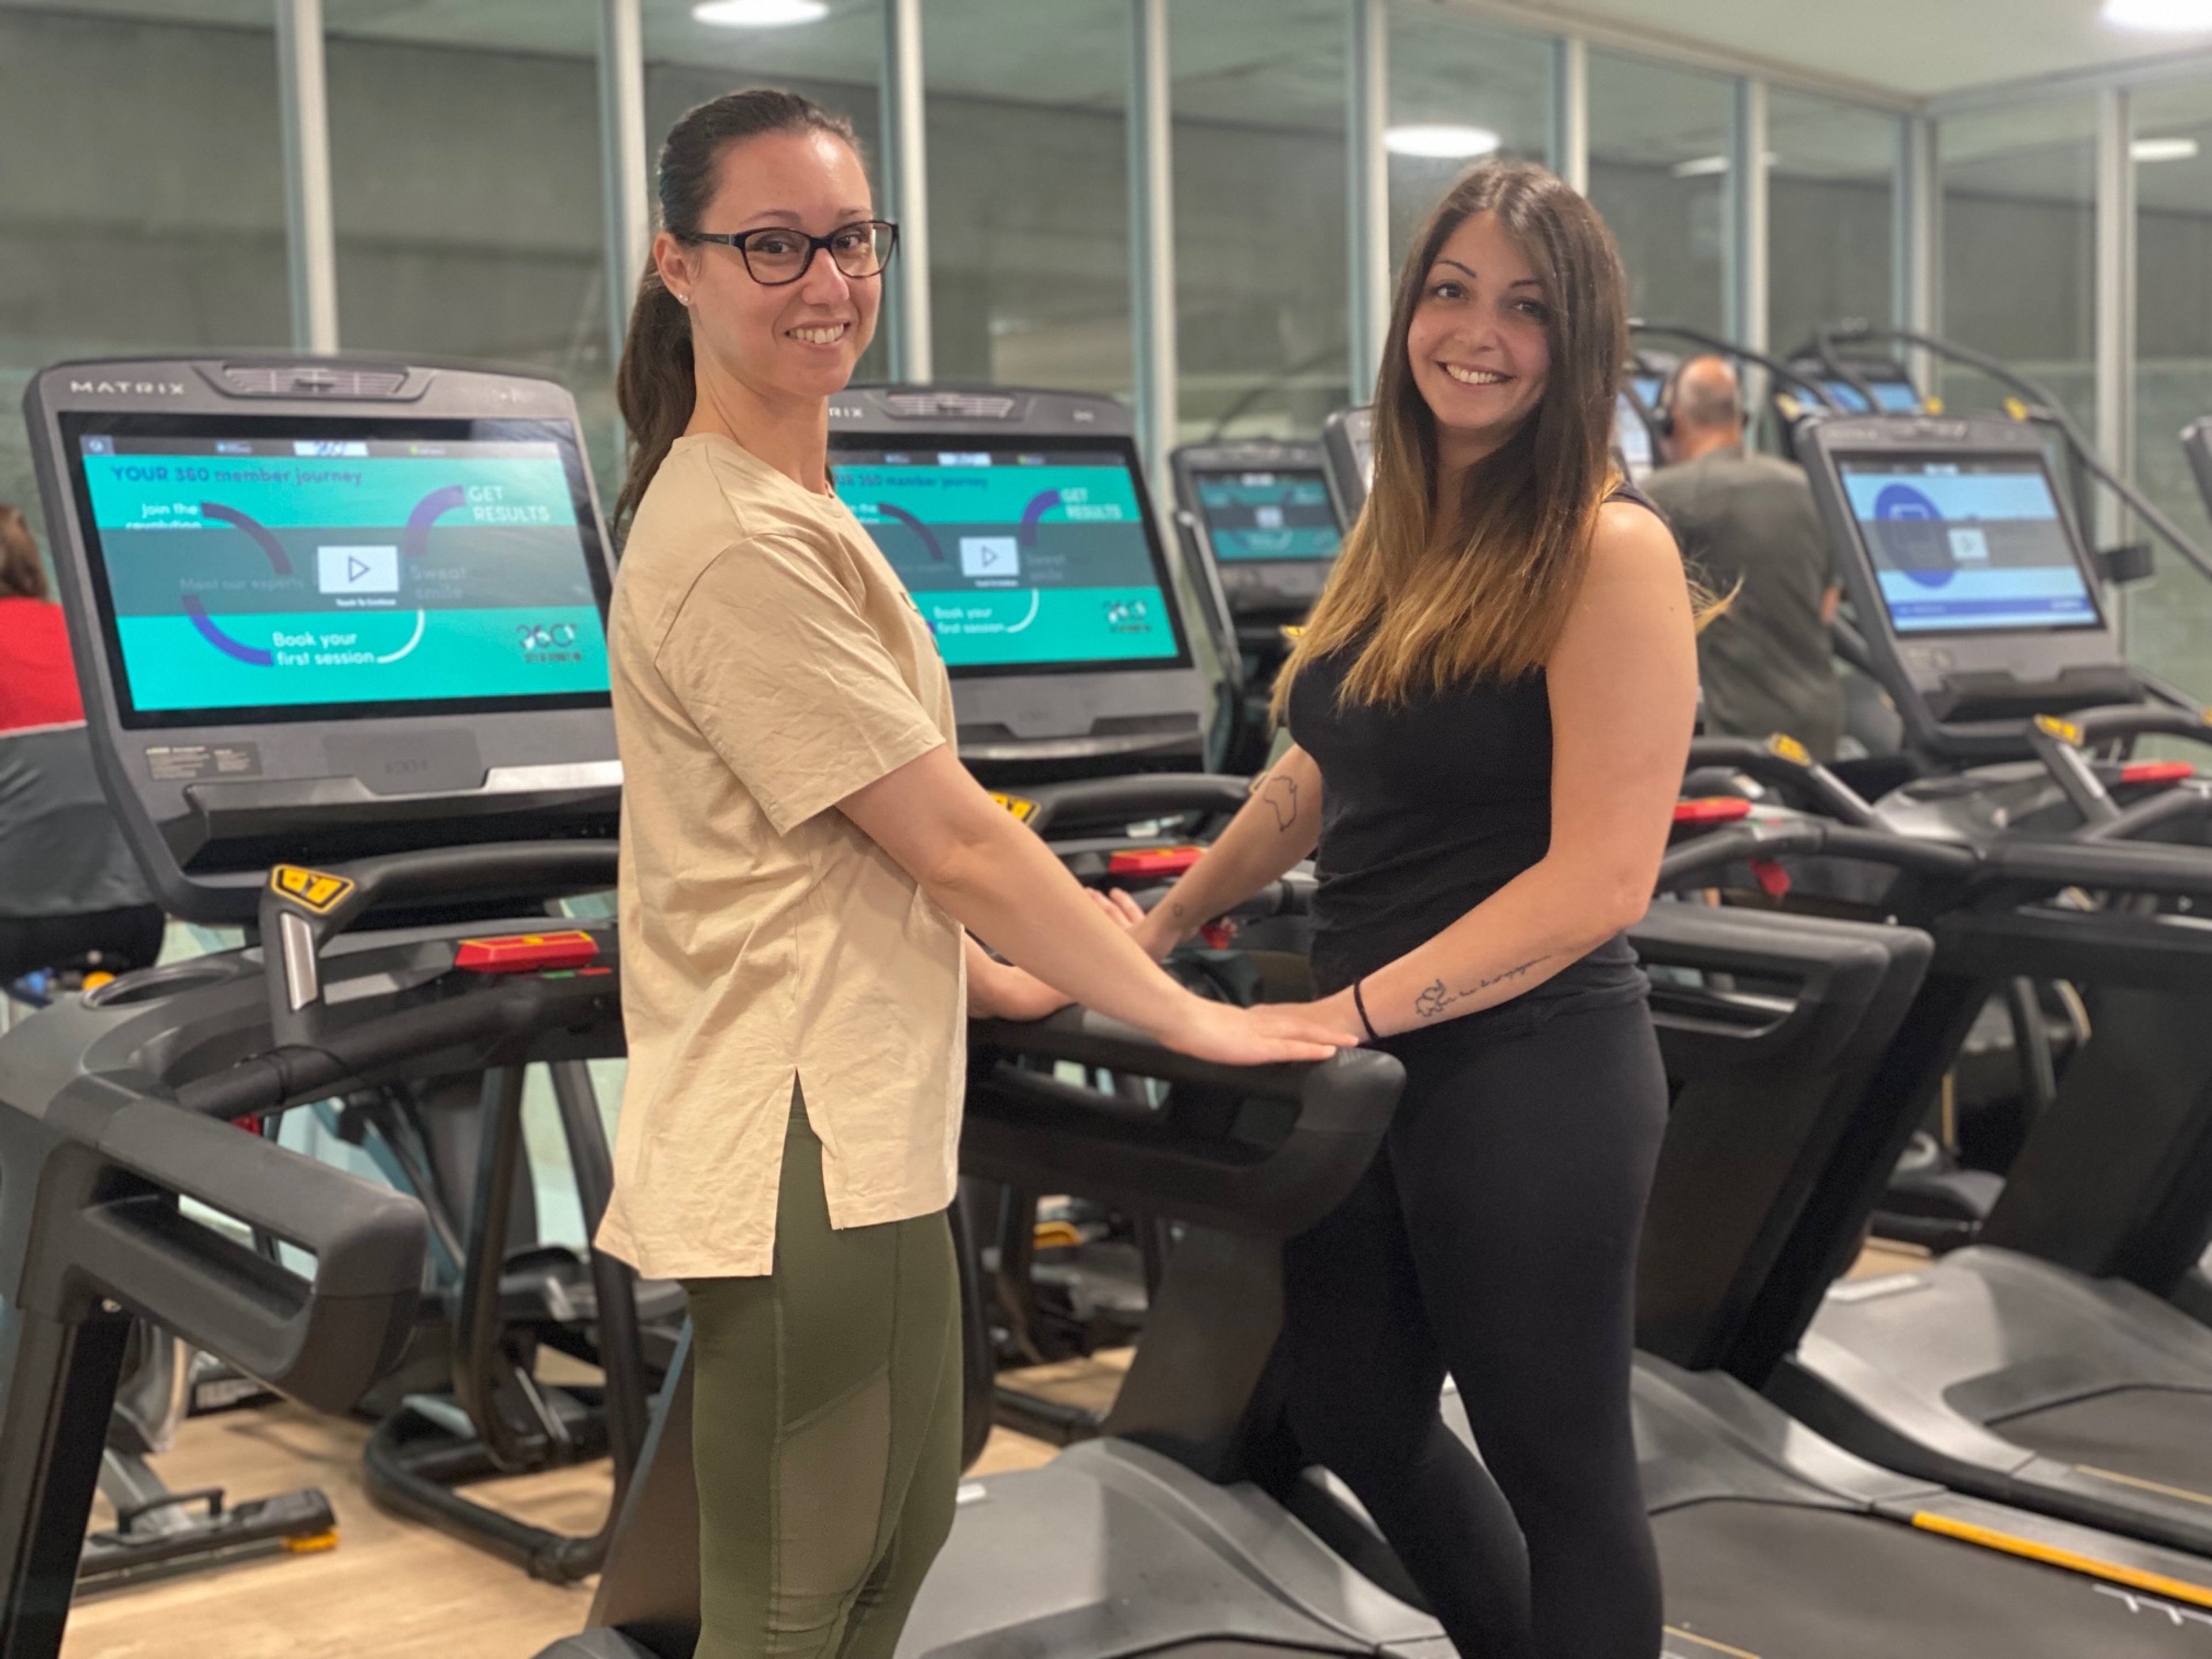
1773 1581
2161 1436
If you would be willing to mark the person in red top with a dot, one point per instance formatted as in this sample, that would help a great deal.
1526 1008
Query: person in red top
70 893
39 688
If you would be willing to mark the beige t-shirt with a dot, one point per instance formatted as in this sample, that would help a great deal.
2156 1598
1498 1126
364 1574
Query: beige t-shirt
767 663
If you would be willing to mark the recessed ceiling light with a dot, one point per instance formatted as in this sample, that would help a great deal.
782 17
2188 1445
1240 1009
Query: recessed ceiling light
1442 143
2163 149
1705 167
2167 16
759 14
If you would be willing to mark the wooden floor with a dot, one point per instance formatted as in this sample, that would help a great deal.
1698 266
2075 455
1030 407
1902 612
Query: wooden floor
393 1590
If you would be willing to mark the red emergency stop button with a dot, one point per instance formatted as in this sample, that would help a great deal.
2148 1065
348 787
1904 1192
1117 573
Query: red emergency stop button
2156 771
1154 860
526 953
1712 808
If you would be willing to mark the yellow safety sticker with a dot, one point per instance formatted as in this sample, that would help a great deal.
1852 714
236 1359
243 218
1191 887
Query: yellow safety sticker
2015 408
2157 1583
1789 749
1294 630
310 890
312 1543
1023 808
1933 406
2064 731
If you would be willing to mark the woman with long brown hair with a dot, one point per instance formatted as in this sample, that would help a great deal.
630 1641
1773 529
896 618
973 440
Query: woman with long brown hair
1491 707
801 854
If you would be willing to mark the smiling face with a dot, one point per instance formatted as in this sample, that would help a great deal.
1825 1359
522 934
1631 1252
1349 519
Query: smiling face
800 340
1478 344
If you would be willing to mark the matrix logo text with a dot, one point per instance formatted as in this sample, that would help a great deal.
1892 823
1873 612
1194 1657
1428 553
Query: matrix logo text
130 388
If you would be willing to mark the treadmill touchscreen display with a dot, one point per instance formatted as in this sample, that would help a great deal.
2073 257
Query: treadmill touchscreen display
1020 558
1968 544
271 569
1890 397
1268 515
1632 435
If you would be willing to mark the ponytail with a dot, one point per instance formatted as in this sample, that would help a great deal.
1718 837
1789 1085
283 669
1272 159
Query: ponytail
654 387
656 383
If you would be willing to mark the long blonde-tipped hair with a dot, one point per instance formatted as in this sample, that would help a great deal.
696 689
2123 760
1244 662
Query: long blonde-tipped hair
1485 595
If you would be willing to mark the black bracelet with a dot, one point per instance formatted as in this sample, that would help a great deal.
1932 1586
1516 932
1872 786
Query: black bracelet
1360 1002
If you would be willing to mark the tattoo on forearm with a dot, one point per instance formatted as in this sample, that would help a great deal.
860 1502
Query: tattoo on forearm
1177 908
1281 794
1433 1002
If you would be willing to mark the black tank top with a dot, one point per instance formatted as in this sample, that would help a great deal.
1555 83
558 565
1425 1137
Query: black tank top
1427 809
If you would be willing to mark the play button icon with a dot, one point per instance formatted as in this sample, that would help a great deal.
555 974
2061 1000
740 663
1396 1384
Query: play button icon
357 569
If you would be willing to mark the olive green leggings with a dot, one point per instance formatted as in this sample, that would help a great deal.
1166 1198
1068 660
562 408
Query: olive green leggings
825 1428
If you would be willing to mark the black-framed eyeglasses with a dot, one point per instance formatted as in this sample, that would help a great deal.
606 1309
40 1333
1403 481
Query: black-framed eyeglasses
775 255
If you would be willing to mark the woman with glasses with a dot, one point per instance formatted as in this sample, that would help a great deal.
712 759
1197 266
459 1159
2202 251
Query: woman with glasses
806 872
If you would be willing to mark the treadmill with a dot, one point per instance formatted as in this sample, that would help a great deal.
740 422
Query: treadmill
1259 521
326 612
1861 385
1192 1525
310 704
2044 1365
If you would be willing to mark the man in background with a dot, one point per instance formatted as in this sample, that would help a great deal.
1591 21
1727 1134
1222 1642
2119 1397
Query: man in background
1746 524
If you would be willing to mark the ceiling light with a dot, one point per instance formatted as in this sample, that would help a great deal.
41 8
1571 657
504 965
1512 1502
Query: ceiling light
759 14
1705 167
2163 149
2167 17
1440 142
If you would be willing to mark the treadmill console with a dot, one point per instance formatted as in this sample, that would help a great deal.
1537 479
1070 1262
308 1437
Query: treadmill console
324 608
1885 377
1262 516
1020 523
1347 443
1976 595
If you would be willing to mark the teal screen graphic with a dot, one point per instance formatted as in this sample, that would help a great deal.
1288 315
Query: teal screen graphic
1016 559
1268 515
294 573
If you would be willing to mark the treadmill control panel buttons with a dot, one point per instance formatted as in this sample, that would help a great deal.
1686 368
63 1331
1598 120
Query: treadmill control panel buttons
314 891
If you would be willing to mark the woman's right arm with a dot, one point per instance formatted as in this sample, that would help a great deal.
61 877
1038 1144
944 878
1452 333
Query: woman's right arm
1275 830
1008 888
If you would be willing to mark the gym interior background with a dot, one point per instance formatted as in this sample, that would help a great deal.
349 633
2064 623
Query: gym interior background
1196 206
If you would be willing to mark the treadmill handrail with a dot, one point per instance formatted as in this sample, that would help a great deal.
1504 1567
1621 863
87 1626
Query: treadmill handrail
1806 837
293 1074
2115 866
323 1338
1183 1160
294 933
1143 794
1809 779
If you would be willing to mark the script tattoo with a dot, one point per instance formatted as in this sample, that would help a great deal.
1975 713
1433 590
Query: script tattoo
1433 1001
1281 794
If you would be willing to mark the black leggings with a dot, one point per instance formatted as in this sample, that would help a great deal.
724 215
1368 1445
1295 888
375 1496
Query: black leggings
1495 1238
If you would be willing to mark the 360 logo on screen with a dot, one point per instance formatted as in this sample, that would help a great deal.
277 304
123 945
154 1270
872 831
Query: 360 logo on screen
548 642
